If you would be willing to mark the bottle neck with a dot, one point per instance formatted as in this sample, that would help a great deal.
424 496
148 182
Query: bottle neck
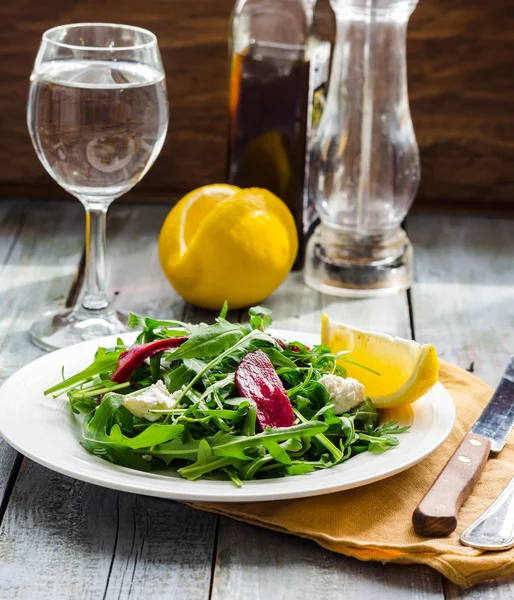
284 23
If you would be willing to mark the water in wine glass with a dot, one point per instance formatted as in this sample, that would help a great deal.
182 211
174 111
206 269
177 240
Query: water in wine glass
97 125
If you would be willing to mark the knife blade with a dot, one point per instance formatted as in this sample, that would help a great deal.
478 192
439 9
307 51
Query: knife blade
436 515
497 419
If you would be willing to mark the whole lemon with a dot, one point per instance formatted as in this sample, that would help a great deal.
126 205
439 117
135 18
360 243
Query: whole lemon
220 242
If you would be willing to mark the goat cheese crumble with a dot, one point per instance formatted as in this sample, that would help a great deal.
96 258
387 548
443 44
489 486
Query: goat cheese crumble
344 393
155 397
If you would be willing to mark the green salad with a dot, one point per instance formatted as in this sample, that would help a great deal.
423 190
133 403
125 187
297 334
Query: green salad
224 401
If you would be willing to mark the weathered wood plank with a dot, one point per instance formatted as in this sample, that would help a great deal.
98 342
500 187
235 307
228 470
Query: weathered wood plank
295 306
503 589
254 563
134 274
11 222
463 296
463 303
83 541
57 537
34 273
164 549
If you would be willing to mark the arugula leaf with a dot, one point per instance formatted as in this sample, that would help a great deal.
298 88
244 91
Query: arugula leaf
209 341
224 310
149 325
119 455
204 453
222 413
259 310
178 378
278 453
153 435
104 416
84 403
383 438
235 446
391 428
260 317
324 441
196 471
348 430
233 475
155 366
293 444
218 385
183 447
250 421
279 359
300 468
105 360
366 414
95 437
195 365
249 471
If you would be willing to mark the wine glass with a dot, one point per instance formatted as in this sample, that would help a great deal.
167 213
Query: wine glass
97 115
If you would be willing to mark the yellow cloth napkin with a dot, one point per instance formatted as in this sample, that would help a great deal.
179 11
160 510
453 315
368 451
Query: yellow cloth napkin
374 522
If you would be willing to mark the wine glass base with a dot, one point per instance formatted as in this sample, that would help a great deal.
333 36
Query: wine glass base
61 329
352 266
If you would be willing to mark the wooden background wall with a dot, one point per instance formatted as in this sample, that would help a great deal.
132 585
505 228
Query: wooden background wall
461 83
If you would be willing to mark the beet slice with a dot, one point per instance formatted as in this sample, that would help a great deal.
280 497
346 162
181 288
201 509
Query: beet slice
257 380
130 360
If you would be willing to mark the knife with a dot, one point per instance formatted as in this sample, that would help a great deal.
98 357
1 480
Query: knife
436 514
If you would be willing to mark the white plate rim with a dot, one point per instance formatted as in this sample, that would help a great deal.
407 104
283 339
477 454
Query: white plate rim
95 470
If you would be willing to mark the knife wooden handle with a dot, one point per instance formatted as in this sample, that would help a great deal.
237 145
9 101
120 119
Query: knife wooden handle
436 514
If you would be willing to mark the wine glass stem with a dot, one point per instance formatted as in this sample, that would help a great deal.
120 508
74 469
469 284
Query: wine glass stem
95 297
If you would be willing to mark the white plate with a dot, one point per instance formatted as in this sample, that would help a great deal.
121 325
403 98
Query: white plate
46 430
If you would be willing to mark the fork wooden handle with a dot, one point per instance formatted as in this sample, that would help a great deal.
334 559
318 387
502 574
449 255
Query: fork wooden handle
436 514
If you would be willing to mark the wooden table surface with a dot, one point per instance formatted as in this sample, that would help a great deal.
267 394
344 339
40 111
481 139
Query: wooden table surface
62 539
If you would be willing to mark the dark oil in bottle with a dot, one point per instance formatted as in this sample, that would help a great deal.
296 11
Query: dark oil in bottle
269 89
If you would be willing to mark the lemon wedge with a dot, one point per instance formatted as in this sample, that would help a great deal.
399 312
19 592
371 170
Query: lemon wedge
407 369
